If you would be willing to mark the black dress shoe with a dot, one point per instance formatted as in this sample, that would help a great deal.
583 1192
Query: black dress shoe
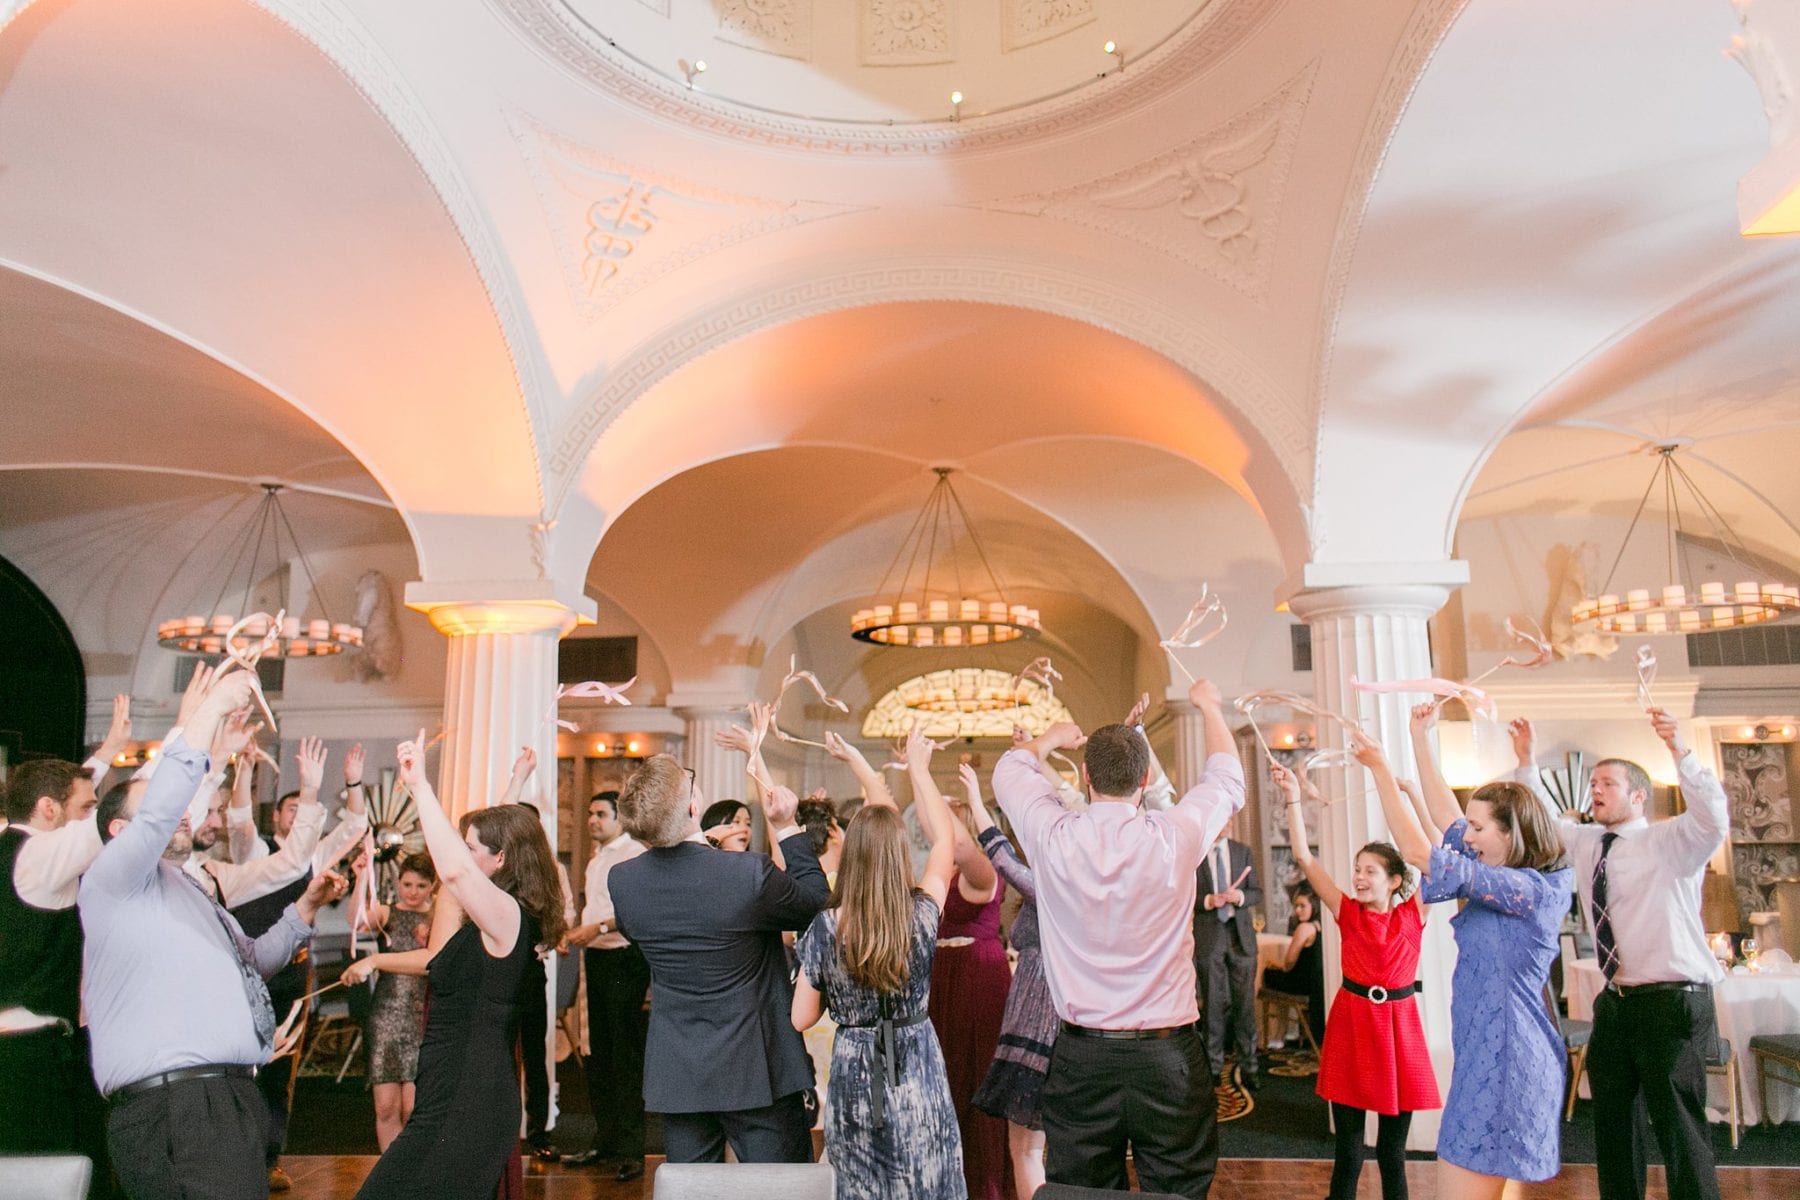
630 1169
1252 1080
587 1158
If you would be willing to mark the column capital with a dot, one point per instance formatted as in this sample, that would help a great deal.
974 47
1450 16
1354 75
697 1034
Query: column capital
499 606
1325 589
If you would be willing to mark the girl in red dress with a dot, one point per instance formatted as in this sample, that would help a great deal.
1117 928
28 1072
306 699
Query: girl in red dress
1374 1058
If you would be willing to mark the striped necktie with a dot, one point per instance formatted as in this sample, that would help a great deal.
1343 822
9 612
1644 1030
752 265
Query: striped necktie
1604 945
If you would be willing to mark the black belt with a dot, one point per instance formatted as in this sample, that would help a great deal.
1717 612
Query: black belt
219 1071
887 1057
1673 985
1376 994
1126 1035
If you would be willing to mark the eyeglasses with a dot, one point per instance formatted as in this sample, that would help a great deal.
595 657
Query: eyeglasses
692 780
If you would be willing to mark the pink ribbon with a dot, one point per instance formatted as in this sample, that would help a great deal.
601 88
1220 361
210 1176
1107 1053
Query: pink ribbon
1194 630
796 675
607 692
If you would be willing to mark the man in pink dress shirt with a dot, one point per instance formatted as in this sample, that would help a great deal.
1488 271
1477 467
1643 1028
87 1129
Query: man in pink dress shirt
1116 890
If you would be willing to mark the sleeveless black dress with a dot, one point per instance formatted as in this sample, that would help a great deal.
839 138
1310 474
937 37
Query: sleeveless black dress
465 1117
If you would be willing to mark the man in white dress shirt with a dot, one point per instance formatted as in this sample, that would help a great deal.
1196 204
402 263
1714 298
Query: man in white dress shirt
1654 1030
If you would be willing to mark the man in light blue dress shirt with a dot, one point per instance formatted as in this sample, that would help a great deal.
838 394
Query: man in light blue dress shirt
176 1005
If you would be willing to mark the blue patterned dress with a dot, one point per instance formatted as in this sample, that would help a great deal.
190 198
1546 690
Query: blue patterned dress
916 1154
1504 1115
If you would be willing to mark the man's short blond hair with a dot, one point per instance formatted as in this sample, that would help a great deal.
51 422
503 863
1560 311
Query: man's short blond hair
653 806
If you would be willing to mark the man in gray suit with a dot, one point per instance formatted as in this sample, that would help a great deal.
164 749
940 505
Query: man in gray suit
1225 952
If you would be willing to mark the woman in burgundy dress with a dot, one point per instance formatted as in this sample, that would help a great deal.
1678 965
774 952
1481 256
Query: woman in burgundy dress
1374 1058
969 982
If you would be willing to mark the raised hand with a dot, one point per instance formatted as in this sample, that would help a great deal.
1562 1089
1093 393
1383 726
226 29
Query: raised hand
736 737
918 750
1286 781
1136 715
525 764
412 762
970 780
1066 735
1020 737
1366 750
353 765
1524 740
312 764
225 695
325 887
843 751
819 796
1424 716
779 804
235 736
199 683
118 734
1205 694
762 718
1669 730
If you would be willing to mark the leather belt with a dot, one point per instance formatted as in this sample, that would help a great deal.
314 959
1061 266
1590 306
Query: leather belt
211 1071
1673 985
1376 994
1126 1035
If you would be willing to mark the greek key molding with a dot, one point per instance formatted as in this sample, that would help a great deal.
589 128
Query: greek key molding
562 36
1279 419
905 33
1028 22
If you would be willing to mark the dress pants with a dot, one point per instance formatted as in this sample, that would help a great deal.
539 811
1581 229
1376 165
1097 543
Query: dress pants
1227 977
617 1027
1151 1095
48 1102
777 1132
534 1028
195 1139
1648 1055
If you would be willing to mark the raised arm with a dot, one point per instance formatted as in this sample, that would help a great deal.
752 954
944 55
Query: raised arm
1699 831
1417 800
1021 788
975 877
874 787
522 768
940 827
1403 823
1288 784
494 912
1210 803
355 822
1440 801
446 919
242 842
118 736
791 897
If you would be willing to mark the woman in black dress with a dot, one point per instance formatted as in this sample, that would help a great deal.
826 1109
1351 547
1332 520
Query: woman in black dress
465 1120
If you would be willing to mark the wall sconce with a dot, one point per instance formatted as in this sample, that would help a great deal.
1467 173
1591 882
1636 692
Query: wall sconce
1115 52
697 67
956 99
1765 732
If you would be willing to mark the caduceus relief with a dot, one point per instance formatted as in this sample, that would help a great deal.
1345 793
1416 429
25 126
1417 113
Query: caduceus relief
1204 186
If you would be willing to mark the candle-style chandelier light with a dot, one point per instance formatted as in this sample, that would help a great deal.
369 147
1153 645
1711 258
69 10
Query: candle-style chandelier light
944 607
1680 605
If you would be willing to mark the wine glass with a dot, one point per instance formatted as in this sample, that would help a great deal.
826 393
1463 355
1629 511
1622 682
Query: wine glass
1749 950
1257 922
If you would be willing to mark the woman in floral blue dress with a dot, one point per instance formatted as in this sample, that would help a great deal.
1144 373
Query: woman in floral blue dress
1503 1119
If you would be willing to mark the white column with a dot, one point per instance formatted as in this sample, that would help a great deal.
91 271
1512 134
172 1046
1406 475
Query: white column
1190 744
1374 632
498 688
718 772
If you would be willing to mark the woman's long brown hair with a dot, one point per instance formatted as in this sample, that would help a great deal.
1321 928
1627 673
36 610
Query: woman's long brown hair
874 900
529 873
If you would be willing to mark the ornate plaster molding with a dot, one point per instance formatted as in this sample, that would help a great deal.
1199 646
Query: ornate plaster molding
553 29
781 27
620 226
1279 419
905 33
1028 22
1213 202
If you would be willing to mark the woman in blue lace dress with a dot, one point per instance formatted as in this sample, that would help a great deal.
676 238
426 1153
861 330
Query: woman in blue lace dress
1503 1119
890 1129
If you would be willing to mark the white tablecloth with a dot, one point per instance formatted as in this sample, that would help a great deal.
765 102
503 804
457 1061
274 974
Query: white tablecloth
1747 1006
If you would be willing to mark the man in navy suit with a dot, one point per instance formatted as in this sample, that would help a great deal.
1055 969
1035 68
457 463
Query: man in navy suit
1225 952
723 1062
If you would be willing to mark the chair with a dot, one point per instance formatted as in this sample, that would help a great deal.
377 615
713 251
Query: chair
1782 1052
1575 1036
44 1176
744 1181
1279 1010
1722 1061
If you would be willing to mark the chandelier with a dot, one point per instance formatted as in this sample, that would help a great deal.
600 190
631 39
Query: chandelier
295 637
942 610
968 690
1678 607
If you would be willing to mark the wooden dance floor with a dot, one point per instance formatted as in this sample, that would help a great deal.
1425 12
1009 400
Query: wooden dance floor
337 1178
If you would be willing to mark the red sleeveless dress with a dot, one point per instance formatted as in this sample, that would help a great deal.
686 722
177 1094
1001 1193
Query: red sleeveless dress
1374 1057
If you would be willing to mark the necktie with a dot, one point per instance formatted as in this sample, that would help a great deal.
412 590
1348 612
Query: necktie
1604 945
256 992
1222 880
